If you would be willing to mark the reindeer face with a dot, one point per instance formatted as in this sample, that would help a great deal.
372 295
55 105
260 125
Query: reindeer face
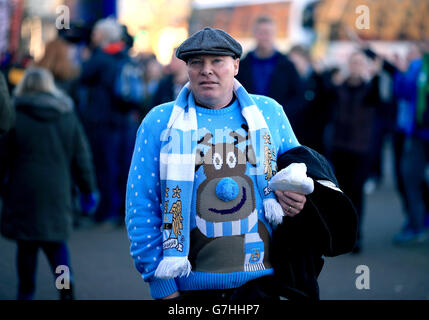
228 193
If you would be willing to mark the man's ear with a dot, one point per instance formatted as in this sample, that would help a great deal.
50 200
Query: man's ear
236 66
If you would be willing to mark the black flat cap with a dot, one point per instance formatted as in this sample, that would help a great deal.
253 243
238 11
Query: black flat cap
209 41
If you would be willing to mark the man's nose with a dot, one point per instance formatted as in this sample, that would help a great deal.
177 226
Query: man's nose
207 69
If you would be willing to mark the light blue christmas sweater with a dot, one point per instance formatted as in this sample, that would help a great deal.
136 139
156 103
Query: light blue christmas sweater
227 221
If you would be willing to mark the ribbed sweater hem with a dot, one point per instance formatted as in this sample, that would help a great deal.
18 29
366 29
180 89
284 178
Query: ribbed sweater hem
207 281
204 281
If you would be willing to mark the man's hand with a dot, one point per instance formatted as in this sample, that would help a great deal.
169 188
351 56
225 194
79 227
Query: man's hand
291 202
172 296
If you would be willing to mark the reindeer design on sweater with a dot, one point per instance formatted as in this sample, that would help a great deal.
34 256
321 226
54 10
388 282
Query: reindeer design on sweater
229 236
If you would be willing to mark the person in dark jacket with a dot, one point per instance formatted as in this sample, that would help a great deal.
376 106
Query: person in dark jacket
171 84
110 124
268 72
6 114
408 81
312 118
354 116
40 159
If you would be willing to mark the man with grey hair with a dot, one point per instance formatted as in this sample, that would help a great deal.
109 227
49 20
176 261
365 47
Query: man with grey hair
106 31
108 121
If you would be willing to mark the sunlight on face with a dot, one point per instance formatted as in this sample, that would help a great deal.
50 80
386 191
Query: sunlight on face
212 79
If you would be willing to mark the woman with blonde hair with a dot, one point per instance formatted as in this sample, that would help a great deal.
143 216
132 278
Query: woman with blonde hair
39 158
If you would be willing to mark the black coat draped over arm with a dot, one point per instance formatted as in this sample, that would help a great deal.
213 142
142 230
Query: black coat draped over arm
327 226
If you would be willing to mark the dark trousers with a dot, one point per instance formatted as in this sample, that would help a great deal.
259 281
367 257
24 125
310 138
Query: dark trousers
399 139
414 160
352 170
27 251
112 150
398 147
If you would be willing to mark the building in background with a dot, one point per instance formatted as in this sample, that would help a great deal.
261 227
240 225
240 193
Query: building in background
319 24
237 17
392 24
158 26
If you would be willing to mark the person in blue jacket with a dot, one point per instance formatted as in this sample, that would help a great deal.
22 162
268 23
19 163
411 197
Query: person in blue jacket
109 122
411 89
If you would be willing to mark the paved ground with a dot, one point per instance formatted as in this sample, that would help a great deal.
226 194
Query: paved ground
103 268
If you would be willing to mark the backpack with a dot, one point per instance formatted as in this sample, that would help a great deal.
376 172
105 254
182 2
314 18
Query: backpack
128 85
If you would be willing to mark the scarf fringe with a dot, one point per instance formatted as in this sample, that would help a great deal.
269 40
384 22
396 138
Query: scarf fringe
172 267
273 211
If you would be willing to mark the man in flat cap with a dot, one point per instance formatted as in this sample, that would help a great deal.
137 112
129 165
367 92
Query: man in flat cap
199 210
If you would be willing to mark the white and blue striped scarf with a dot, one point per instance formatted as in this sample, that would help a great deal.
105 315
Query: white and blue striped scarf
177 172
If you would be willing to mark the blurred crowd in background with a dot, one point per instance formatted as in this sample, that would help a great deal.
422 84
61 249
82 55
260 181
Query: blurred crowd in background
345 112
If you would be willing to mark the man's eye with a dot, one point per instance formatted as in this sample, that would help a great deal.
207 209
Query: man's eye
194 62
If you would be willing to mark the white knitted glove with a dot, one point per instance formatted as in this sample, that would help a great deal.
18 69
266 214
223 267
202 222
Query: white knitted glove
293 178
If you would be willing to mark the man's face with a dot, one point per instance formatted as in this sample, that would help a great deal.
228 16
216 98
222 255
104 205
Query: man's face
300 62
356 64
212 79
264 34
96 37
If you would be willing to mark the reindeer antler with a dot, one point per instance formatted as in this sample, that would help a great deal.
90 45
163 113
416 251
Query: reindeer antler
205 140
199 160
249 152
238 137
